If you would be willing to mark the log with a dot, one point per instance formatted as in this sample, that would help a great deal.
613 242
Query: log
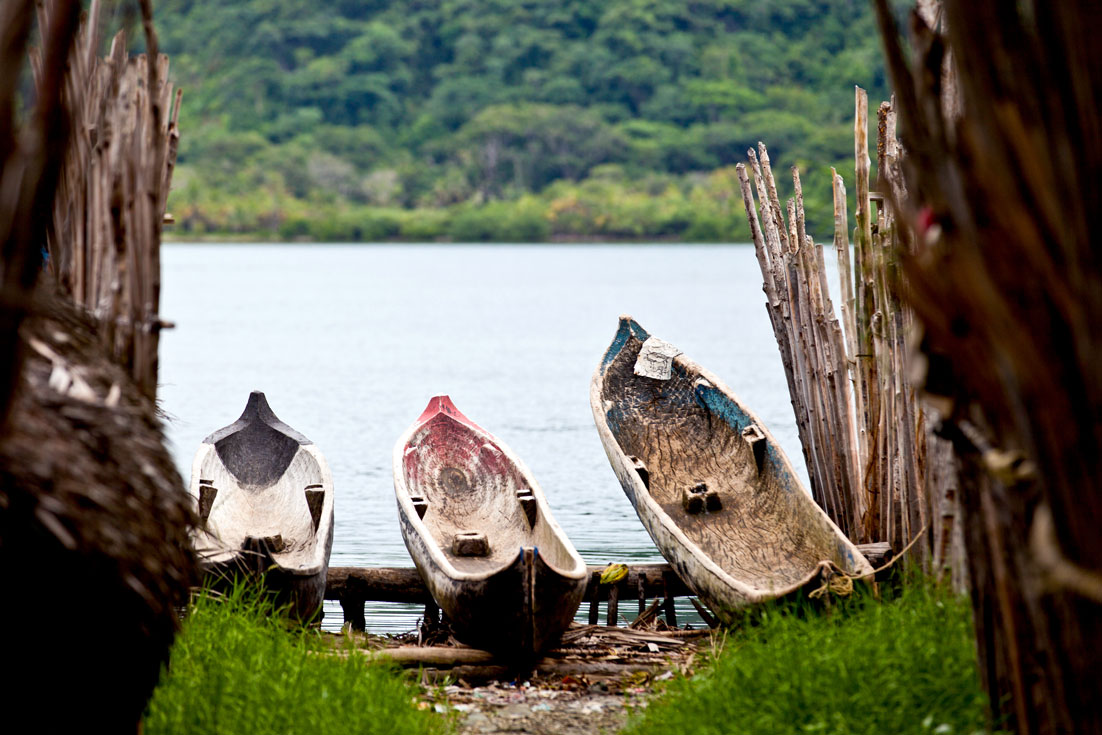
434 656
381 584
878 554
403 584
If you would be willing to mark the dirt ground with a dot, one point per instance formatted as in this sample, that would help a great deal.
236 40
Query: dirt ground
588 685
541 707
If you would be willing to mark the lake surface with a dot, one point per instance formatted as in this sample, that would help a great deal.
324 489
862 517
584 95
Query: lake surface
349 342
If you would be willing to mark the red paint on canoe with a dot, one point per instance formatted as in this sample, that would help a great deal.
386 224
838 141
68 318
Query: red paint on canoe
453 440
444 405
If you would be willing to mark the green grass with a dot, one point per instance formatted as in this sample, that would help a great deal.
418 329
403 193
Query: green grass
904 666
236 668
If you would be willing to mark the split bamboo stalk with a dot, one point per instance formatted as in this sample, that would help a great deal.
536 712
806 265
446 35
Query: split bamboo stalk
864 280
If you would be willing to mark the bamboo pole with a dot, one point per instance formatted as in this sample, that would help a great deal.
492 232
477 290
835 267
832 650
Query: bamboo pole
860 425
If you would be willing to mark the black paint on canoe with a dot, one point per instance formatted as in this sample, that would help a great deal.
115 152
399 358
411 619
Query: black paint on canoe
258 447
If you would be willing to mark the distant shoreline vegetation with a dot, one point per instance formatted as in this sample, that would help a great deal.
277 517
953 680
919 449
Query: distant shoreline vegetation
606 207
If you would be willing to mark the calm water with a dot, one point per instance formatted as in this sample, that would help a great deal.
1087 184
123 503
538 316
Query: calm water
349 342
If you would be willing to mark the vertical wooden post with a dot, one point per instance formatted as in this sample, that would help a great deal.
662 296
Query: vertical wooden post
667 604
353 608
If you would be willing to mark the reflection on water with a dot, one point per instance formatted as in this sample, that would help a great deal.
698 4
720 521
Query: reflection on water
350 342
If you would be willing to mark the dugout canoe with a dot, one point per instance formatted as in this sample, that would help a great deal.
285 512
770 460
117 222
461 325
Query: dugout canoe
478 528
710 484
264 495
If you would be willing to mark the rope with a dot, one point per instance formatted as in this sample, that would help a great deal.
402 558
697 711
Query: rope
840 583
836 584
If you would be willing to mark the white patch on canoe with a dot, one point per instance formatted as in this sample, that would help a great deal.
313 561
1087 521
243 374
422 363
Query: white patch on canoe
281 509
656 359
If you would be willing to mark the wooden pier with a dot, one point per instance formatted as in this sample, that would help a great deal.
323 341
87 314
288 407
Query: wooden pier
353 586
657 583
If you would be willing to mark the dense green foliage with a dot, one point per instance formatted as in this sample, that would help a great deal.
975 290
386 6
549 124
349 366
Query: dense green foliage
236 668
301 115
904 666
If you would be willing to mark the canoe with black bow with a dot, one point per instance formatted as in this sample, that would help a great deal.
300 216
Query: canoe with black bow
265 499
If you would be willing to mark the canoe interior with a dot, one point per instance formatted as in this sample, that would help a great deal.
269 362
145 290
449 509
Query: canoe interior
768 534
262 488
470 485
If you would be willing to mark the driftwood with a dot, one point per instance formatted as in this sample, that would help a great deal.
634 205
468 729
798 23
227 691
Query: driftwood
435 656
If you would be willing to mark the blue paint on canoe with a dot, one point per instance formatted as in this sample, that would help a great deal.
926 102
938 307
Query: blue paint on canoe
628 328
719 404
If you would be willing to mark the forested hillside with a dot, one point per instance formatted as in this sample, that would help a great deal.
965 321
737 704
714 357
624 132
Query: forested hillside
505 119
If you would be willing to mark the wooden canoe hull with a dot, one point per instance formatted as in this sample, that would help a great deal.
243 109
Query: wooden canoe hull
301 595
264 494
666 436
451 477
516 612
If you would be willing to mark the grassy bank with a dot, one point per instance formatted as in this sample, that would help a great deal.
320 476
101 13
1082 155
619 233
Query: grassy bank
904 666
237 669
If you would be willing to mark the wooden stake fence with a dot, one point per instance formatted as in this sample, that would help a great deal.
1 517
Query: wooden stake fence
862 430
104 244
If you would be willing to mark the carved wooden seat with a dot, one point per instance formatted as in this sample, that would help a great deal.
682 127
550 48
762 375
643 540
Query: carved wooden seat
470 543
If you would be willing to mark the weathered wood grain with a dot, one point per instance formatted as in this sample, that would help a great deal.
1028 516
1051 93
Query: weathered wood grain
769 537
